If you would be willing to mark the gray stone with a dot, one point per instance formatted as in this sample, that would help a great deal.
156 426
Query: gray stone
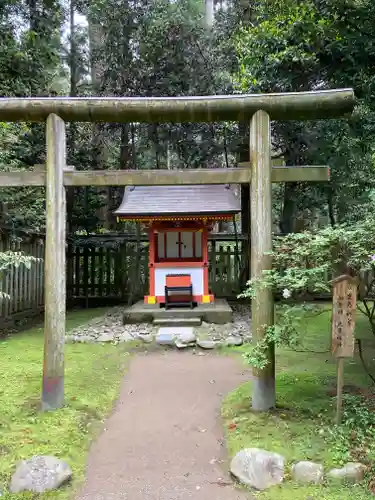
352 472
233 341
106 337
147 338
194 321
308 472
206 344
39 474
185 335
165 336
257 468
83 338
181 345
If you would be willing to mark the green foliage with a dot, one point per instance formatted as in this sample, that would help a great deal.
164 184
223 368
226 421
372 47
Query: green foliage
304 263
286 332
166 48
356 434
29 64
310 45
10 259
302 427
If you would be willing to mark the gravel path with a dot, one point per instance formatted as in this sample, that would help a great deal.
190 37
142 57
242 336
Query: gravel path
164 440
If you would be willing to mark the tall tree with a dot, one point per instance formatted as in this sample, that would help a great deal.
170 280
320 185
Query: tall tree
295 46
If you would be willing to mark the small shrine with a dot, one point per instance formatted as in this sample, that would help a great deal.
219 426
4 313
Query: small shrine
179 219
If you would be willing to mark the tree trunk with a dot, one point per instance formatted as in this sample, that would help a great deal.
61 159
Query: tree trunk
287 221
70 192
245 205
99 147
209 13
331 211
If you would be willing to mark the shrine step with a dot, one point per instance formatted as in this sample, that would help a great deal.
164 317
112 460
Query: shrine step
179 321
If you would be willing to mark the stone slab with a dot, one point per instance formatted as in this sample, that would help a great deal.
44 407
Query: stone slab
178 321
168 335
218 312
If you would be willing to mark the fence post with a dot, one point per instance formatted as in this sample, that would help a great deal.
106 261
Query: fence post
262 309
55 281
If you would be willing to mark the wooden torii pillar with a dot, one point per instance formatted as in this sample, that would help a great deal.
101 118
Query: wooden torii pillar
259 109
262 309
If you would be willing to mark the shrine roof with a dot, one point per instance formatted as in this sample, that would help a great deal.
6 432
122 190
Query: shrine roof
178 200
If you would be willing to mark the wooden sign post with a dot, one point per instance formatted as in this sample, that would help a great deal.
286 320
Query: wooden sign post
343 322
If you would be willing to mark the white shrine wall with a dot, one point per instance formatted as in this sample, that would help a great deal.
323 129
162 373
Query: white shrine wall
196 274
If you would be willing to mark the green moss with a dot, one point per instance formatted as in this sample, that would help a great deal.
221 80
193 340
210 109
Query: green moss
300 426
93 374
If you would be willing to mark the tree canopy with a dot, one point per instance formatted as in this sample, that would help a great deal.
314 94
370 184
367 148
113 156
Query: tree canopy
184 48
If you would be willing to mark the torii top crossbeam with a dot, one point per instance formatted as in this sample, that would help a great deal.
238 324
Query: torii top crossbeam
282 106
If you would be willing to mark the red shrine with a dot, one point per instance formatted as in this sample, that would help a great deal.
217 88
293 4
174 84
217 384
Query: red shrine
179 219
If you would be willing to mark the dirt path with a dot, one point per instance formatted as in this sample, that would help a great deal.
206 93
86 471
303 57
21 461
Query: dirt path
160 442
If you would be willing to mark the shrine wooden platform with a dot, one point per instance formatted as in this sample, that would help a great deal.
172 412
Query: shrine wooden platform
218 312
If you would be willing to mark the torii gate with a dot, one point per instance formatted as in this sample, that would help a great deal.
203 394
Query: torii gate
259 109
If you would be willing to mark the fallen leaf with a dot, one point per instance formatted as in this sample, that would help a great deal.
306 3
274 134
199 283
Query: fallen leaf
232 426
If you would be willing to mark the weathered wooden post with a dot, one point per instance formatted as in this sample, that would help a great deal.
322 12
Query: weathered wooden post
55 293
343 323
262 308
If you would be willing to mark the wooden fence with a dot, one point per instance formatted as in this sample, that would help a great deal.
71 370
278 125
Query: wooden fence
102 271
25 287
117 270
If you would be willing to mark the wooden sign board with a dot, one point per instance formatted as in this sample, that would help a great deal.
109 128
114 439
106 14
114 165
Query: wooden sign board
343 316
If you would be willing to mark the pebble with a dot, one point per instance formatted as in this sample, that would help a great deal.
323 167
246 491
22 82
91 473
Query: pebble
110 328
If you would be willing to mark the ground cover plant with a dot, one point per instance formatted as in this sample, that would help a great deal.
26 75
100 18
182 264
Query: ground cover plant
302 426
92 379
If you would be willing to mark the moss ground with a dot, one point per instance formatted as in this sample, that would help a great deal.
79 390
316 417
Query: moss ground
92 380
301 426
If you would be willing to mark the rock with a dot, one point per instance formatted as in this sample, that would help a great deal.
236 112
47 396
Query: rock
40 474
165 336
185 335
352 472
233 341
308 472
207 344
83 339
105 337
116 327
147 338
257 468
180 345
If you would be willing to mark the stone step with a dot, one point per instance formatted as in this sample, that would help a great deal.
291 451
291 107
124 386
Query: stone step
175 335
179 321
